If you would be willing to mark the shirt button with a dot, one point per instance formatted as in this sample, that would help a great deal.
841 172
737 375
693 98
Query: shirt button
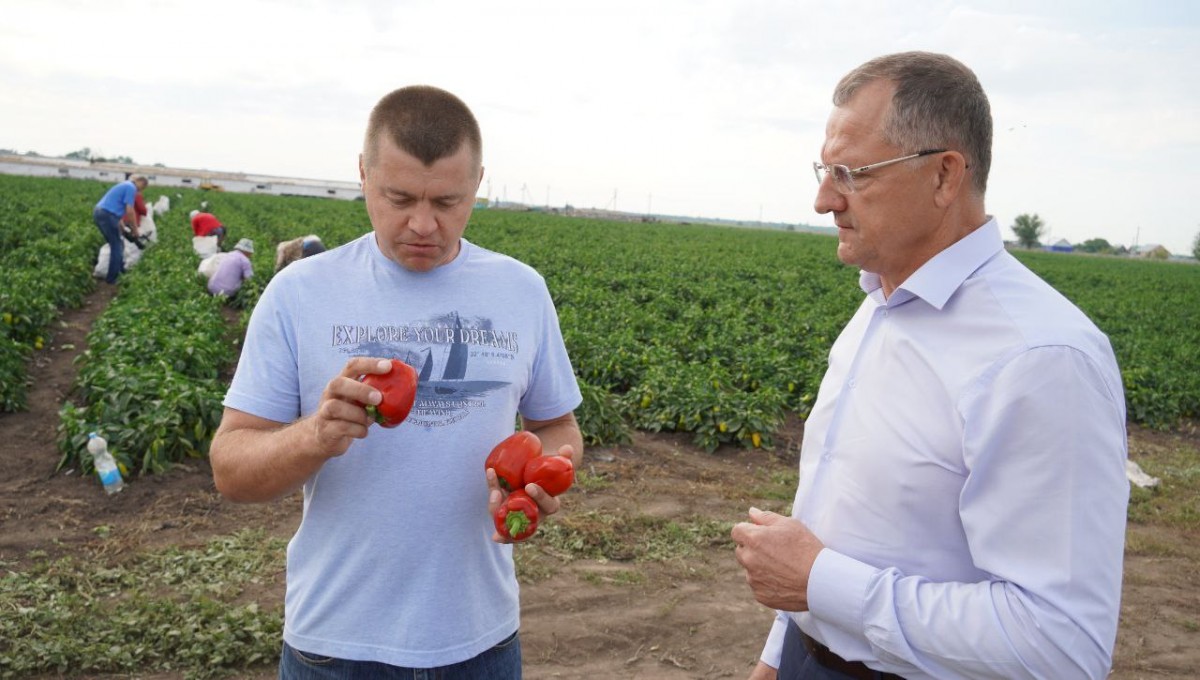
852 383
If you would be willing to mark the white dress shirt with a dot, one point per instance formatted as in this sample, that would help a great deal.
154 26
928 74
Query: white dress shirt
964 466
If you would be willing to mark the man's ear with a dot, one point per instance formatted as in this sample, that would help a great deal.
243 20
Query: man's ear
951 179
362 170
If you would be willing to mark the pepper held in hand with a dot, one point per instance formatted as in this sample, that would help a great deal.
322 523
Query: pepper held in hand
517 517
399 390
510 456
554 474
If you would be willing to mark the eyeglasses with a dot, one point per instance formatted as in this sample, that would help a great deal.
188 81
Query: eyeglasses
843 177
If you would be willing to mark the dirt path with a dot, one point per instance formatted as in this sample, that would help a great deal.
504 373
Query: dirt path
688 617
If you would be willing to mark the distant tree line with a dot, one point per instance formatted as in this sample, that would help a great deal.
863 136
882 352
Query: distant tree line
84 154
1029 230
1100 246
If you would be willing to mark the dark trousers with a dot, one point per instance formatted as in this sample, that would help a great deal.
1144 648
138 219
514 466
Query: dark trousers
110 225
798 664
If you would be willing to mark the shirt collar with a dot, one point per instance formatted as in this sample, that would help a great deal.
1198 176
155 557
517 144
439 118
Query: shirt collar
936 280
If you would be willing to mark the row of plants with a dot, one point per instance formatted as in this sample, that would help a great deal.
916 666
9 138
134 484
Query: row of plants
706 330
150 379
722 332
48 246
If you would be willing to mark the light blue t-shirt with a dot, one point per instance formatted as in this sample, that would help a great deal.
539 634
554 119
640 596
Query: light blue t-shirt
118 197
393 560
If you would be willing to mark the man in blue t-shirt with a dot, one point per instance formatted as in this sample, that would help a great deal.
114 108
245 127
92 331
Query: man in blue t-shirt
114 213
396 565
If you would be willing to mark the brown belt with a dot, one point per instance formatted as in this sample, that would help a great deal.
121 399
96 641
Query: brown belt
855 669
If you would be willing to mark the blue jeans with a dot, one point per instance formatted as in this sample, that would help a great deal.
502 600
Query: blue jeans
502 662
110 226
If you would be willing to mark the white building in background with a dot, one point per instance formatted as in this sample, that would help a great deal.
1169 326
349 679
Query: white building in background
42 166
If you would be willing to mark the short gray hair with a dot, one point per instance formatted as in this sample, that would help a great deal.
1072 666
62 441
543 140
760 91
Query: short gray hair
938 103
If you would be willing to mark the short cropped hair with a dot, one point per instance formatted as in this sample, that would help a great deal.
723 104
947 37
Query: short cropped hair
140 179
938 103
424 121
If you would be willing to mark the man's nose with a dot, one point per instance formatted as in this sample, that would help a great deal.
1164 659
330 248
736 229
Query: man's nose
422 221
829 199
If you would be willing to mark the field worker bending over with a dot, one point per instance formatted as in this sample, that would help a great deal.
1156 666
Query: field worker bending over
139 208
114 213
233 270
962 496
397 566
141 239
207 224
288 252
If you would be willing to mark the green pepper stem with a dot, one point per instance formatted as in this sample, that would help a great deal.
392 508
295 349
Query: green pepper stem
373 411
517 522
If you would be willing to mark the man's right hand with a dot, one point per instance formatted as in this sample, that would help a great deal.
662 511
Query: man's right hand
777 553
341 416
254 459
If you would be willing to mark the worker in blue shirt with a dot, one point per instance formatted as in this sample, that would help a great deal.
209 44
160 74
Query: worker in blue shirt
114 211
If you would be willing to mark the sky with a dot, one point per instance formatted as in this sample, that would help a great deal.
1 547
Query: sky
701 108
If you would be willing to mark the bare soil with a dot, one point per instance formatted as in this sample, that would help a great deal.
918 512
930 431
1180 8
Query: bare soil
690 618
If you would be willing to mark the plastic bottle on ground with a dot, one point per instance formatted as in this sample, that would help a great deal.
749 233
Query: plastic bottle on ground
106 466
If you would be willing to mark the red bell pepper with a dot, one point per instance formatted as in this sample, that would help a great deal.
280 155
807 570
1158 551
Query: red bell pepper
554 474
510 456
399 389
517 517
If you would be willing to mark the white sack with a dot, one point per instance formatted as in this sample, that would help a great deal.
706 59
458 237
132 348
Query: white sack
132 255
205 246
162 205
148 229
208 266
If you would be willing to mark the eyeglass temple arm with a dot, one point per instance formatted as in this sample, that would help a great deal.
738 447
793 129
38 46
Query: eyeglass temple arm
909 157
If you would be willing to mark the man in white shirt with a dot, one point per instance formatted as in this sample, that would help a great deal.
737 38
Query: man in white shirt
962 497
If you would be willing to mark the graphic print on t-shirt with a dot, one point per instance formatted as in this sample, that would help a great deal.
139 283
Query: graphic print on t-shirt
450 357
